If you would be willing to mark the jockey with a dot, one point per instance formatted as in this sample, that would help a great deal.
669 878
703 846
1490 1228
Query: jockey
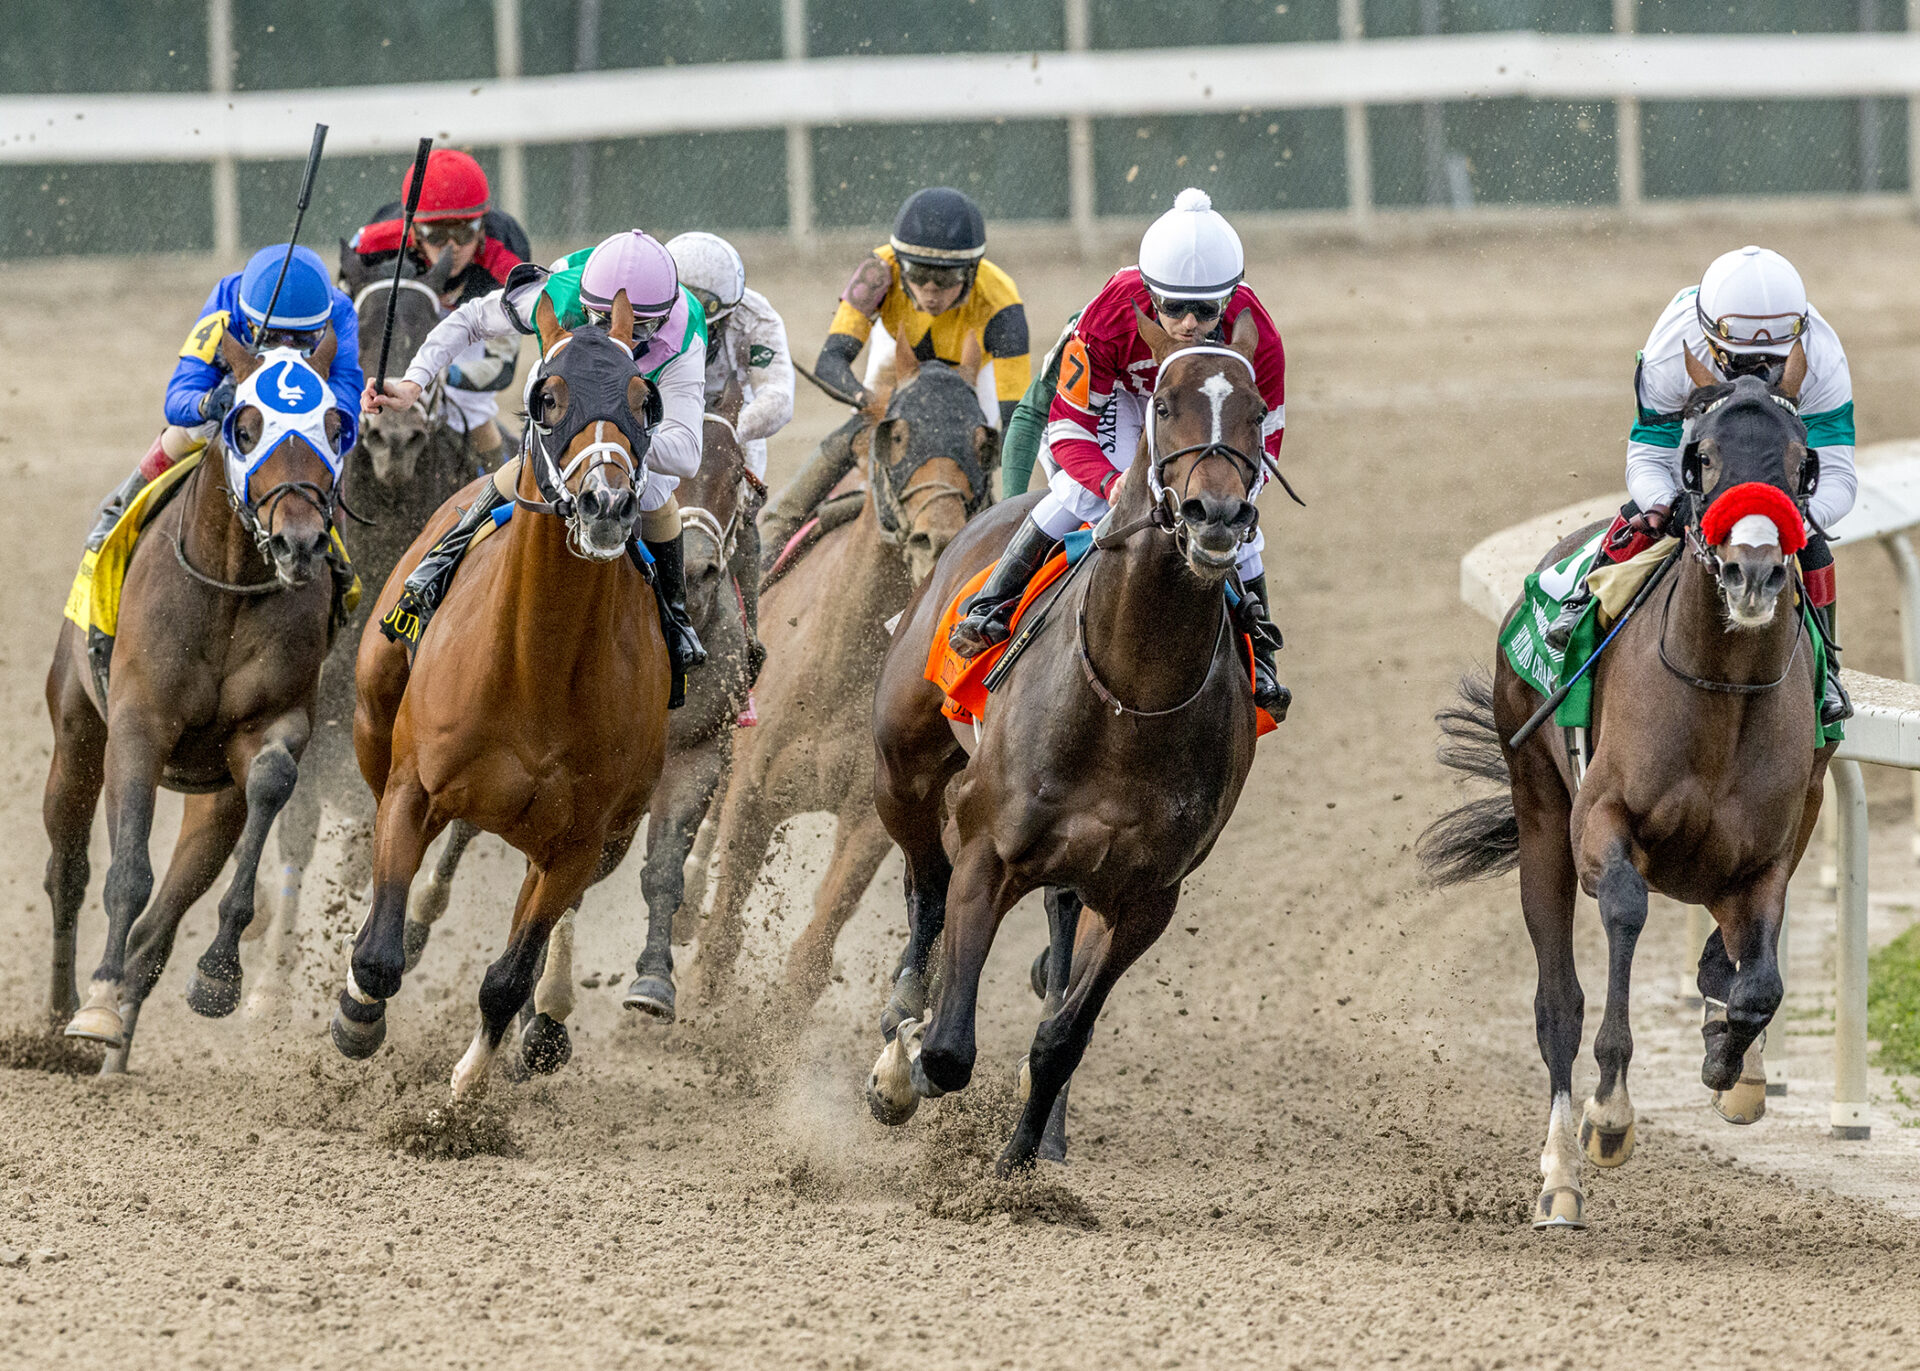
1189 279
932 285
669 344
1746 317
201 390
487 244
747 343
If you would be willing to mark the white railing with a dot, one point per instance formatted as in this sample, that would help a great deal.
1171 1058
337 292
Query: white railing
1884 731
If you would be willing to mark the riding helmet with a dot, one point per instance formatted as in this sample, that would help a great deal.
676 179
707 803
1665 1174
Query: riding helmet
306 296
1752 301
940 227
1191 252
636 263
454 187
707 262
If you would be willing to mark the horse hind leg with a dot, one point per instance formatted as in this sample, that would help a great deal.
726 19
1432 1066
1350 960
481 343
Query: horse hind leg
72 795
1746 1102
860 844
424 909
1050 973
1606 1125
1737 1018
378 962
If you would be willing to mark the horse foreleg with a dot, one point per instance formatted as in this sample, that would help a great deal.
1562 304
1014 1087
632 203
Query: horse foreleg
545 897
1737 1019
1063 924
677 807
425 909
978 900
746 827
928 875
401 834
860 844
1606 1125
1113 944
72 794
270 764
134 763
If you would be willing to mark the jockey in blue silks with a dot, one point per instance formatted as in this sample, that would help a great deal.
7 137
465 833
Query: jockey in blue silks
201 391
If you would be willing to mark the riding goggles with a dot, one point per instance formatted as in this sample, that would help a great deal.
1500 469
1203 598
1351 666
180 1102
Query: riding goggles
1205 311
1747 331
932 277
644 326
303 341
711 304
446 232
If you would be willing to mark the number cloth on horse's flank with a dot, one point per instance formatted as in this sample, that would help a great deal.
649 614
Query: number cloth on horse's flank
1541 665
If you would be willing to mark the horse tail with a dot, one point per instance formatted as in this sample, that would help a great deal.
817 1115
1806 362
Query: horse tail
1482 837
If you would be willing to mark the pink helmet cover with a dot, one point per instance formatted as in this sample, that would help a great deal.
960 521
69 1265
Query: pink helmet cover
631 261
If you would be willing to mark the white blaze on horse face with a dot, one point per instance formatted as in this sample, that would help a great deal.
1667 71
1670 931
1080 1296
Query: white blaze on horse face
1216 388
1755 530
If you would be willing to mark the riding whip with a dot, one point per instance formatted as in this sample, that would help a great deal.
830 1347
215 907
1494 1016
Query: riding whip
400 258
1553 701
833 392
299 214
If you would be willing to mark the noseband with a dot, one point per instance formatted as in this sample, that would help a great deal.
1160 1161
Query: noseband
593 375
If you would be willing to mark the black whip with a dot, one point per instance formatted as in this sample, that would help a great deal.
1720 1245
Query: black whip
832 391
400 259
1542 714
299 214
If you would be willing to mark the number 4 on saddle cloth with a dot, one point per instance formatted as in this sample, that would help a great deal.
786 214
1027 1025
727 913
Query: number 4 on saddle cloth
1543 666
967 681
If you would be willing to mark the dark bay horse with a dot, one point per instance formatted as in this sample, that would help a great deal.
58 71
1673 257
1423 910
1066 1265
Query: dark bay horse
404 467
929 456
226 614
1704 782
535 706
1108 763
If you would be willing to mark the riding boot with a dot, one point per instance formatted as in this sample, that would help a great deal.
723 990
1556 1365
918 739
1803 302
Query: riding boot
1268 693
670 566
990 612
1572 609
427 583
794 505
113 507
1835 707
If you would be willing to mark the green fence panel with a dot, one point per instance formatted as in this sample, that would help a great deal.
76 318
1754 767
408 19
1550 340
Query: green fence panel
108 207
1402 18
650 33
1016 169
278 46
1206 23
848 27
1518 152
1772 147
62 47
1766 16
663 184
1248 162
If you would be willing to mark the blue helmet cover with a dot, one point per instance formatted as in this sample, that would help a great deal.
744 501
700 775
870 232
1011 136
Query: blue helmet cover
306 299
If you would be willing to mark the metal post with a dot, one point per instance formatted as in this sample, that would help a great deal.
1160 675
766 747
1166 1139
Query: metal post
586 56
1913 116
1626 121
1080 185
506 64
1849 1112
226 180
1869 113
793 42
1907 564
1433 120
1353 28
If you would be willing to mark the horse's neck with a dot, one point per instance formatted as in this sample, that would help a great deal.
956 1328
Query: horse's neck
210 530
1152 625
1700 640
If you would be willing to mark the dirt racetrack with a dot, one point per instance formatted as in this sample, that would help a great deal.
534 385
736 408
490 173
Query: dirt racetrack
1307 1130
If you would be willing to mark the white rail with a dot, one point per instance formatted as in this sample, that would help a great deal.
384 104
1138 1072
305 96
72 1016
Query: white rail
1884 730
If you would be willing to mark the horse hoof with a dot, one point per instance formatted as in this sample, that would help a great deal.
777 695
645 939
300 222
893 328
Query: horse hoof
544 1045
890 1092
212 997
1606 1146
470 1072
651 995
413 941
357 1040
99 1018
1745 1103
1023 1083
1562 1207
907 1003
1037 975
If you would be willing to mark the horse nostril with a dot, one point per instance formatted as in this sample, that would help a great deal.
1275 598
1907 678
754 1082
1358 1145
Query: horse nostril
1776 579
593 504
1195 512
1245 518
623 506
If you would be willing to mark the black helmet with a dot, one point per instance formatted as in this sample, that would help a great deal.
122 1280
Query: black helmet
939 226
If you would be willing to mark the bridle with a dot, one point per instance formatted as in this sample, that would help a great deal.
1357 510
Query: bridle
704 521
890 504
429 398
254 515
554 481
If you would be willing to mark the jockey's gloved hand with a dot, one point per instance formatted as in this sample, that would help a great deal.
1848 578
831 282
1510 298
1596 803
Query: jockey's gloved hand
1652 523
216 402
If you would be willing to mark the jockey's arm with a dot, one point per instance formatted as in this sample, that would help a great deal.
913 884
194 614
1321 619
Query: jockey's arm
1826 407
1087 385
346 378
1004 339
474 322
852 325
199 369
770 375
682 387
834 365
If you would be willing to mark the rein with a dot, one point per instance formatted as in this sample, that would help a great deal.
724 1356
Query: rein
1724 687
1112 701
249 516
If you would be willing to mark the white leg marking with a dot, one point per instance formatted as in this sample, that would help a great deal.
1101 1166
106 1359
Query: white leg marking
554 995
1560 1160
470 1073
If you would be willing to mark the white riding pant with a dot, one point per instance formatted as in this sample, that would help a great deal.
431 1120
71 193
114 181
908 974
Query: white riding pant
657 491
469 409
1068 504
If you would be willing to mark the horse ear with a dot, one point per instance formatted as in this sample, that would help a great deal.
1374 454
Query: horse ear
1697 371
548 323
1246 334
732 400
241 360
972 357
353 272
322 358
1795 374
1157 339
620 327
906 363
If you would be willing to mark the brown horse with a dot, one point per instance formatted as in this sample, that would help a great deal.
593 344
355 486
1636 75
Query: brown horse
535 706
1109 761
825 624
226 613
1704 783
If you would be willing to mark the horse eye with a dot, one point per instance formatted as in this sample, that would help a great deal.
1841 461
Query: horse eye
1160 408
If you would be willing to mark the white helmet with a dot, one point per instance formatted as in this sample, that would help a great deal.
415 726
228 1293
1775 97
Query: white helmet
1752 302
1190 252
709 265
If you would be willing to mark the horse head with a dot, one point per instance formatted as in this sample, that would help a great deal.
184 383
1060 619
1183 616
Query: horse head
1747 474
710 507
1202 440
589 412
394 440
280 445
930 453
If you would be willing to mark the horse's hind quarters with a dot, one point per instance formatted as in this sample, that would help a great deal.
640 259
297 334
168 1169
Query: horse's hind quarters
890 1092
651 995
1561 1207
99 1018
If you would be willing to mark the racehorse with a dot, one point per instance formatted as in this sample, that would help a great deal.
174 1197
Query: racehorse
535 705
1109 761
1704 782
700 735
404 467
227 611
825 623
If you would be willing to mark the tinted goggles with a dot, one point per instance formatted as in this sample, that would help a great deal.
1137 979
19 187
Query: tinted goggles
448 232
303 341
1205 311
711 304
644 327
1754 330
934 278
